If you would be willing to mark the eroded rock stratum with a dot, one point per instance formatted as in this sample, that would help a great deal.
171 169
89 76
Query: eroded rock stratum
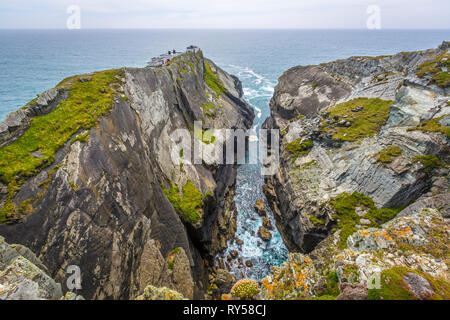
362 192
87 177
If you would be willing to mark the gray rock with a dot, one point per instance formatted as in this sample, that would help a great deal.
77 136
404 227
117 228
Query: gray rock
24 278
296 192
418 285
119 226
356 291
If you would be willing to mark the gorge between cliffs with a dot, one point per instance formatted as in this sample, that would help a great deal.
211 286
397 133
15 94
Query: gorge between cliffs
87 179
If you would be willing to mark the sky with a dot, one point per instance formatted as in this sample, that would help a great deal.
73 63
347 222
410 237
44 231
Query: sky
234 14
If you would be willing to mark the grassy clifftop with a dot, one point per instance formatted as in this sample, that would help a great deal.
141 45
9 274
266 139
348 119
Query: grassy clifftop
90 97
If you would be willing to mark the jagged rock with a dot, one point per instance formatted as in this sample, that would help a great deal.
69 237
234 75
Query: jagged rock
264 234
294 279
418 267
224 280
233 254
260 208
72 296
117 224
21 278
307 183
358 109
354 291
249 263
418 285
267 224
153 293
239 242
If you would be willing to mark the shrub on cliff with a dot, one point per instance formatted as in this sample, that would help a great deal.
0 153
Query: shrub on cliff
245 289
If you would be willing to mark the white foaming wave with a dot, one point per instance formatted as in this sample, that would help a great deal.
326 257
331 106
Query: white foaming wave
259 112
246 72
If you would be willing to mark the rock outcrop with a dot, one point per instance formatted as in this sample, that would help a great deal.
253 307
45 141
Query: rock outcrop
406 258
104 194
361 139
23 276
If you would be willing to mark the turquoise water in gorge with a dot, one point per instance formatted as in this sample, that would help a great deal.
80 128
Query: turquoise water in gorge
33 61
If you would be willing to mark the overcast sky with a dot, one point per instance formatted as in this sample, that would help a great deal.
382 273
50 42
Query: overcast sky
403 14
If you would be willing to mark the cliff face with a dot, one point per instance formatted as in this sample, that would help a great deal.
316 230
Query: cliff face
103 193
362 139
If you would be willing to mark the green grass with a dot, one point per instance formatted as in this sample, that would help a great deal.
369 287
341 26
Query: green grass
365 123
316 220
344 207
297 148
433 68
429 162
433 125
212 81
385 156
86 103
171 258
210 110
394 287
189 206
205 136
84 138
332 285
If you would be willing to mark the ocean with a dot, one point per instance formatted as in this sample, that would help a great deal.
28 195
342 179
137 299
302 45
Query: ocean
32 61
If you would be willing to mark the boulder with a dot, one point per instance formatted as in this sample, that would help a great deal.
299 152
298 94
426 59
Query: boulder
355 291
224 280
260 208
264 234
418 285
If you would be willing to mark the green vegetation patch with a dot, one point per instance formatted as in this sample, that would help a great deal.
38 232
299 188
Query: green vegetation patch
433 125
345 205
205 136
429 162
394 287
385 156
84 138
213 81
331 285
245 289
365 123
316 220
437 69
210 110
171 258
190 205
297 148
87 101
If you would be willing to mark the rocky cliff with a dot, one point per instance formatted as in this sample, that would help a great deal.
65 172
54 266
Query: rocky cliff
87 177
363 139
361 196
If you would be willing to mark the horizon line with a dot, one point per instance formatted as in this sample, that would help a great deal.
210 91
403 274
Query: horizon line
169 28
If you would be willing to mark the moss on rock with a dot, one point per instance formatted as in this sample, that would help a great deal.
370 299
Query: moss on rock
345 207
386 155
298 148
364 123
189 206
